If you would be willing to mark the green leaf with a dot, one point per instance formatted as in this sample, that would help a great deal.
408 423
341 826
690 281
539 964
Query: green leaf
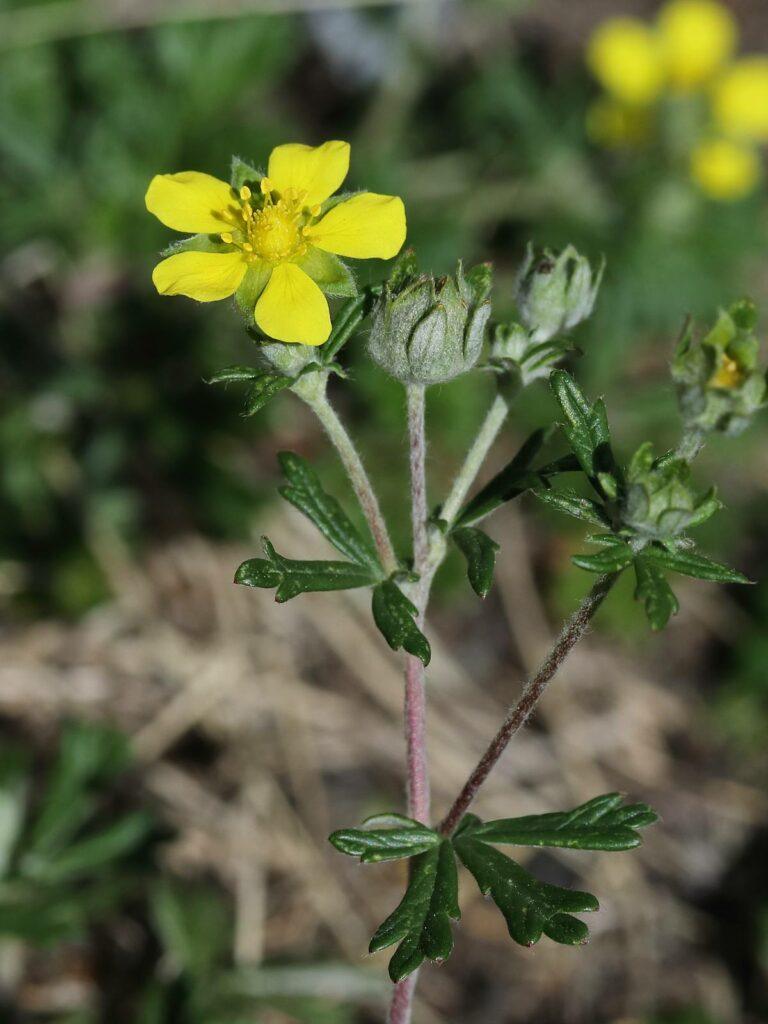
611 559
264 388
242 173
406 839
82 858
530 908
345 323
292 577
420 923
515 478
329 273
587 431
655 593
305 492
692 563
573 504
480 553
14 783
235 375
194 924
394 615
603 823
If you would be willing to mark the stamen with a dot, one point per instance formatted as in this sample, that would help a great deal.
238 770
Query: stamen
245 193
226 236
265 186
315 210
247 246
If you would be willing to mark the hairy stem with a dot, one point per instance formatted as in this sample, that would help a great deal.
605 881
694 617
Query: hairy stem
571 633
415 712
358 477
475 457
415 695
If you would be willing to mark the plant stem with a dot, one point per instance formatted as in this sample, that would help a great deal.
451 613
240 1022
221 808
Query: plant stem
571 633
415 711
475 457
358 477
691 444
415 691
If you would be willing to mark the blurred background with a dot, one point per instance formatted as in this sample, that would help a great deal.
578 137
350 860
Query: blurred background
173 751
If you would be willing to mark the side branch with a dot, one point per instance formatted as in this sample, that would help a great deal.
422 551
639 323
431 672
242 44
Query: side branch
572 632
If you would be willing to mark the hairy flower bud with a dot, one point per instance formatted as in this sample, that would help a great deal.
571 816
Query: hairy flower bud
719 384
659 503
426 330
555 292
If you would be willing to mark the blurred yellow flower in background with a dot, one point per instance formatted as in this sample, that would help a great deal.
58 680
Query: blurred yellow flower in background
740 99
717 108
697 37
625 59
724 169
280 244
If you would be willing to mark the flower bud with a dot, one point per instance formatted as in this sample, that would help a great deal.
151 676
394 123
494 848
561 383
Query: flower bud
426 330
556 292
719 384
659 502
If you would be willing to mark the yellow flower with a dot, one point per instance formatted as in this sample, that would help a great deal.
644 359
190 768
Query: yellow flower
610 123
697 38
724 169
276 247
625 57
740 99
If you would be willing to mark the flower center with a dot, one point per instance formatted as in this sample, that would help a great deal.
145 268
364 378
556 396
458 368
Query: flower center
273 232
728 376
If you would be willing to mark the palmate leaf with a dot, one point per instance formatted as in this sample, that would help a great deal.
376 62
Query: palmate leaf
420 923
394 615
292 577
404 838
692 563
530 908
655 593
305 492
603 823
480 552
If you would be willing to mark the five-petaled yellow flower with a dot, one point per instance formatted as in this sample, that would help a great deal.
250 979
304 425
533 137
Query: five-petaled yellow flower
275 245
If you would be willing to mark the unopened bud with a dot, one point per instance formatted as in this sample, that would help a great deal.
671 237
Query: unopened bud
555 292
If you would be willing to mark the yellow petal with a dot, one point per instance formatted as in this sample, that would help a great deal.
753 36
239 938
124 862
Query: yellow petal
190 201
316 170
292 308
367 226
205 276
740 99
724 169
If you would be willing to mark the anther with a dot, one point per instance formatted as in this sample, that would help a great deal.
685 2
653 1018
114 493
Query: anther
265 186
245 193
247 246
315 210
226 236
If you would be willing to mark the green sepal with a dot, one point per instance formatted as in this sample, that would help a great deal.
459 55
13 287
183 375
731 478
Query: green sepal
394 615
655 592
197 243
345 323
254 282
586 428
329 273
480 552
514 479
692 563
292 577
530 908
603 823
242 173
263 389
420 923
305 492
573 504
235 375
406 838
612 558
